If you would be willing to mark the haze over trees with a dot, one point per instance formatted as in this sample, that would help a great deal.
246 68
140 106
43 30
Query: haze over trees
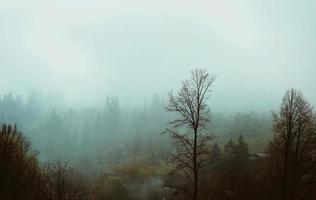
86 112
118 152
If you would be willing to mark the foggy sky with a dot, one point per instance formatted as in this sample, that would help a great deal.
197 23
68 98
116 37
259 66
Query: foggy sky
85 50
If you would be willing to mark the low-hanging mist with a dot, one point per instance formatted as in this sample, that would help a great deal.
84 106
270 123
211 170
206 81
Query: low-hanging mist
157 100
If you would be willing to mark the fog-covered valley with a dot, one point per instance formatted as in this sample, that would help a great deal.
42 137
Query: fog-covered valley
157 100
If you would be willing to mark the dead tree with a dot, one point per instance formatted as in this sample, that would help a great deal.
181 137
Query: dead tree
292 152
188 132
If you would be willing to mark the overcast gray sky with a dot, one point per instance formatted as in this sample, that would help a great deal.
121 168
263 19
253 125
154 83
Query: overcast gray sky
85 50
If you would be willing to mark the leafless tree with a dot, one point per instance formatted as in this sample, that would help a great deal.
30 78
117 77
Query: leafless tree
60 183
191 152
292 153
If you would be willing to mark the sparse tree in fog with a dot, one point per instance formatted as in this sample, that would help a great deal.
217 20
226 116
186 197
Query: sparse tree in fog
191 152
292 152
63 186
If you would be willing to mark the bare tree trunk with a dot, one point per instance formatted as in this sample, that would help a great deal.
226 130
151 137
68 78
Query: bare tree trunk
195 194
284 177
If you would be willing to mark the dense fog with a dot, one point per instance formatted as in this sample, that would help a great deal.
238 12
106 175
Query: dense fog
83 51
85 91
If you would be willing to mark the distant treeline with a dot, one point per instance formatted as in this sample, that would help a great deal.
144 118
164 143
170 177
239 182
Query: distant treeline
85 134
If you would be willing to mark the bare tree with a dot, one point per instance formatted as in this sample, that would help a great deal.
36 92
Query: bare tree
62 183
292 153
191 152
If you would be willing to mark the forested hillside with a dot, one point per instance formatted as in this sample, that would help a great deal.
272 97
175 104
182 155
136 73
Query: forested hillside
117 152
157 100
